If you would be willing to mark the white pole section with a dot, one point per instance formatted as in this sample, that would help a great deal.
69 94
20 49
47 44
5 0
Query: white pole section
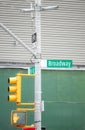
37 115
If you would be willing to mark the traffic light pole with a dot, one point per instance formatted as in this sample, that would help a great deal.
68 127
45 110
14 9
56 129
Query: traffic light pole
37 60
37 115
38 106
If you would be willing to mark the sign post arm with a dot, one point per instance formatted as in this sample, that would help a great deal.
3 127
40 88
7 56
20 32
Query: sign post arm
17 39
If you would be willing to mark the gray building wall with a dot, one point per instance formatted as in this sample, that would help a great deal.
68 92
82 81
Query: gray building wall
62 31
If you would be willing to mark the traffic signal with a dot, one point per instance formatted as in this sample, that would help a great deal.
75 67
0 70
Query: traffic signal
18 118
15 89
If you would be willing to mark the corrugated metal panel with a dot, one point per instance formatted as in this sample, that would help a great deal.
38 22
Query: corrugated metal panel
20 24
63 31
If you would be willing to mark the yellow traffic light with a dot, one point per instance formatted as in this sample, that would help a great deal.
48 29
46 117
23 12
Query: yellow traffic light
15 90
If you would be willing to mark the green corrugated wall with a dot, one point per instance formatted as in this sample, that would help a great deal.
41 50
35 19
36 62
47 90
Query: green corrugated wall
63 92
64 95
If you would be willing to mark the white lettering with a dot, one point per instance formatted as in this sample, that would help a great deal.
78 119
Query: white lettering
59 63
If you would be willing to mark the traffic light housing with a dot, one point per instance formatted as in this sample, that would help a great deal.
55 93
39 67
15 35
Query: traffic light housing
18 118
15 89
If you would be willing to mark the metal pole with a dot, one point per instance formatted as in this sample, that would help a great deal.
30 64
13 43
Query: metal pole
37 115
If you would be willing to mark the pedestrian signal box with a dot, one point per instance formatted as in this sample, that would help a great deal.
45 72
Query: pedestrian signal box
15 89
18 118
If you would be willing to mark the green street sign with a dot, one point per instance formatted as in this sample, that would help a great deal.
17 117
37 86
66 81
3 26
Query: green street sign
32 70
59 63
